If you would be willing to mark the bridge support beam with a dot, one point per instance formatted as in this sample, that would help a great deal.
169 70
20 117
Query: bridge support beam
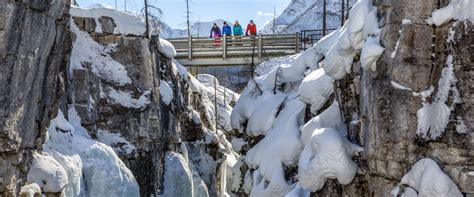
224 47
297 41
260 46
190 48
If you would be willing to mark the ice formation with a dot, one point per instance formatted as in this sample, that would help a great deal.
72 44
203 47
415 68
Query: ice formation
125 23
84 161
456 9
433 117
427 179
178 179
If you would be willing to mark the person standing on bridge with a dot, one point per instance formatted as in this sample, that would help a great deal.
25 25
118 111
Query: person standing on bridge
226 30
252 28
216 33
238 32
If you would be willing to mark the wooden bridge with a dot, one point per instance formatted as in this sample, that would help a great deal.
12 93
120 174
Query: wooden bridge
231 51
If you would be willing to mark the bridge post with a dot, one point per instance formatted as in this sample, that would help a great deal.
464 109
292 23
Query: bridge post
190 48
260 46
224 47
297 42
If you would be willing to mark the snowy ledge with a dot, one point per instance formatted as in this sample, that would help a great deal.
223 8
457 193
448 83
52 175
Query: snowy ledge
124 23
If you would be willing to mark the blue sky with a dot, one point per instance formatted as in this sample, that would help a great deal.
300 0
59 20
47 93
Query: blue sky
261 11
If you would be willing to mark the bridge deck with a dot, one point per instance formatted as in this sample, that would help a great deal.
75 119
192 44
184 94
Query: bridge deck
228 51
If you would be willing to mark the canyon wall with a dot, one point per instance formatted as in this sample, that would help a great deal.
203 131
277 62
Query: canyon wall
32 78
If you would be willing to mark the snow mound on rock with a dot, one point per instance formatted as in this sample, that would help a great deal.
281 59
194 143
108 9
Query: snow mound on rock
126 23
456 9
427 179
47 173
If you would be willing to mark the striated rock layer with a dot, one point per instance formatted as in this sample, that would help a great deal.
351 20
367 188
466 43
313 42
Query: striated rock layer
32 74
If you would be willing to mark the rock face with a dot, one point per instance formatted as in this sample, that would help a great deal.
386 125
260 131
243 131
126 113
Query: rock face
32 73
133 118
386 115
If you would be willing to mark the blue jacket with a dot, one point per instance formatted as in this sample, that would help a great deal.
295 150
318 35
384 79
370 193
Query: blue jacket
226 30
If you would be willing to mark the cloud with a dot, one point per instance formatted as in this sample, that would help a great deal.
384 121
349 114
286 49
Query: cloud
263 14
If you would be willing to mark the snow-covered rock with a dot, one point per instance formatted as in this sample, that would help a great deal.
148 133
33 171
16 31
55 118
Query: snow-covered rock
456 9
316 89
426 179
327 155
47 173
30 190
167 48
125 23
361 31
166 92
85 49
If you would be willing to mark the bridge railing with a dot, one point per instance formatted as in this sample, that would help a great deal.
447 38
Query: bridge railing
310 37
231 47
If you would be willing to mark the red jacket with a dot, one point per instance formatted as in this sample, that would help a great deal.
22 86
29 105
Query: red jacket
252 29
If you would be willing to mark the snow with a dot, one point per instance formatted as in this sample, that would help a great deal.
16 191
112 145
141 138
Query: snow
237 144
397 44
327 155
206 78
427 179
371 53
85 49
259 111
166 48
329 118
30 190
115 140
182 71
359 32
126 23
86 161
406 21
297 15
316 89
47 173
166 92
269 154
433 118
400 86
125 98
298 192
456 9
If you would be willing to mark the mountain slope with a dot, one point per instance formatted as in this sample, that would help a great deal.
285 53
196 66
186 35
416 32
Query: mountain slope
296 16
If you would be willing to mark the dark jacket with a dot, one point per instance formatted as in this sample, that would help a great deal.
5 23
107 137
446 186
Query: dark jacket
215 32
